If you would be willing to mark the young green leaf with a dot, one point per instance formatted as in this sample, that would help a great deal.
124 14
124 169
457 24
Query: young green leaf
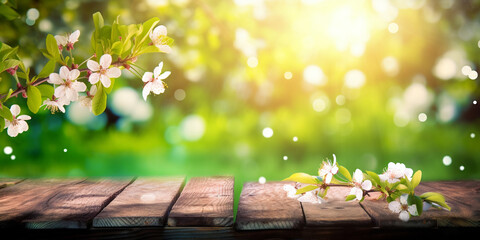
52 48
9 63
350 198
300 177
46 90
345 172
2 124
437 198
5 113
374 177
99 101
98 23
417 177
8 12
34 100
306 189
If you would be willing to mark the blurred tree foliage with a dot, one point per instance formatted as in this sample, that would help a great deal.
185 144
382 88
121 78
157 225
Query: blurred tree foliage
371 81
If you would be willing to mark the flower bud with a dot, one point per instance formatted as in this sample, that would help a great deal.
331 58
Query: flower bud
24 94
12 70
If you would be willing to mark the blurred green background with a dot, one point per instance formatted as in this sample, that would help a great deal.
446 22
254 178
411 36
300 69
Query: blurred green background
263 89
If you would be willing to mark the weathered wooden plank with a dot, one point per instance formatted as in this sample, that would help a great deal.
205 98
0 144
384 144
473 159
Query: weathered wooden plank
205 201
462 196
75 206
266 206
335 211
21 200
5 182
145 202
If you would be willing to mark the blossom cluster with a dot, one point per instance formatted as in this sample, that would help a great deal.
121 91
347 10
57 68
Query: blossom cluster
396 184
116 48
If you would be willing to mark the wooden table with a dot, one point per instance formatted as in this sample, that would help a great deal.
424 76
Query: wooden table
167 207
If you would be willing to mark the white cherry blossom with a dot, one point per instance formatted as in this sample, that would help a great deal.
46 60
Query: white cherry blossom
68 40
360 185
18 124
328 169
154 81
68 88
54 105
159 39
395 172
102 71
403 208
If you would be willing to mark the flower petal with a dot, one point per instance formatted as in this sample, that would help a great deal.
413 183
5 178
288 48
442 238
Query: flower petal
105 60
147 77
358 176
160 31
59 91
73 38
158 70
64 72
395 206
93 66
15 110
367 185
164 48
79 86
12 131
54 78
404 216
403 199
24 117
146 90
61 40
74 74
105 81
164 75
94 77
114 72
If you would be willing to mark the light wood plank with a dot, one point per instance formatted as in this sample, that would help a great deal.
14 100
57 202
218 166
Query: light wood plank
145 202
335 211
266 206
24 199
75 206
205 201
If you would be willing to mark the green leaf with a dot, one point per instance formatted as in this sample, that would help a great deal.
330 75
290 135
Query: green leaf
149 49
302 178
9 63
46 90
2 124
8 12
437 198
7 52
98 23
417 177
402 187
350 198
47 69
34 100
306 189
109 89
374 177
117 48
99 101
147 27
345 172
52 48
5 113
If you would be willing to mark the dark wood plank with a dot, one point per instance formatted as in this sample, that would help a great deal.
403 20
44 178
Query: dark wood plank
205 201
266 206
24 199
462 196
5 182
335 211
145 202
75 206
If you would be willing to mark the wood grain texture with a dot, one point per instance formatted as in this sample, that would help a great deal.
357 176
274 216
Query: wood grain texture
145 202
24 199
266 206
75 205
335 211
205 201
462 196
